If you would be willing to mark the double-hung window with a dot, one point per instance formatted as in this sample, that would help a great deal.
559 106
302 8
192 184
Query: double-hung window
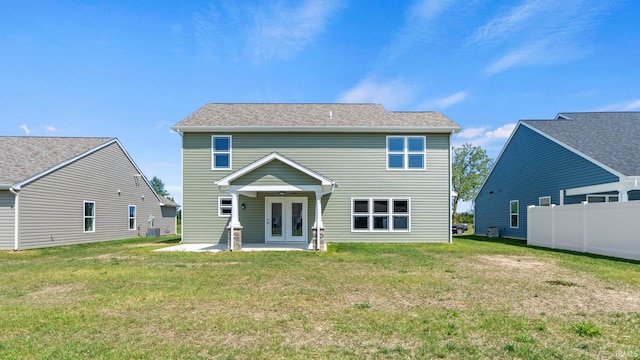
380 214
405 152
224 206
89 216
514 206
132 217
221 152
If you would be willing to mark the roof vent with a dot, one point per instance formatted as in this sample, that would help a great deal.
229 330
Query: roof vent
330 114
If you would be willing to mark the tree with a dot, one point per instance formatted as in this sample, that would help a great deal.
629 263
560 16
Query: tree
470 167
158 187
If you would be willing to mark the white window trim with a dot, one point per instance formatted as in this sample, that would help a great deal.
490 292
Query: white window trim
214 152
517 214
220 206
548 198
405 153
389 214
135 217
607 198
84 217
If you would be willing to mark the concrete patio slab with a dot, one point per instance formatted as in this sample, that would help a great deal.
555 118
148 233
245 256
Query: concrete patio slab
245 247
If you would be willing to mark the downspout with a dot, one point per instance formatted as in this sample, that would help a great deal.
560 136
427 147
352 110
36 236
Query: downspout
450 214
16 219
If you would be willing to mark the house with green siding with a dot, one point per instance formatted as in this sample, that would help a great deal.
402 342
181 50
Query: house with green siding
315 173
74 190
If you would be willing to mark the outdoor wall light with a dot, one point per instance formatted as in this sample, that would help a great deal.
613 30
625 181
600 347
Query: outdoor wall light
243 205
119 191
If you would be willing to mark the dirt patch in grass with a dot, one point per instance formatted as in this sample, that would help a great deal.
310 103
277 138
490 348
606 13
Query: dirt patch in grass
529 284
53 295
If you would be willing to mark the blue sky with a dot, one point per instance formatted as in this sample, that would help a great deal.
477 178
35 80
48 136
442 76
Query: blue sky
132 69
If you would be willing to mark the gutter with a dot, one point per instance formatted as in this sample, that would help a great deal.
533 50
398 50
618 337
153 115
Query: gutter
317 129
16 218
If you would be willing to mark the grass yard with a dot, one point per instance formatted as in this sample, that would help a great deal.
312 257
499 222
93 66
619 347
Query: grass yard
474 299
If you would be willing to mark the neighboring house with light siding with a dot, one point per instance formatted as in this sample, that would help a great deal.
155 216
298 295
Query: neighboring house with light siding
306 173
71 190
576 157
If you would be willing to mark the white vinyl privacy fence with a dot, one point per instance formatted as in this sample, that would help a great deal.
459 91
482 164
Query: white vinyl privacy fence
610 229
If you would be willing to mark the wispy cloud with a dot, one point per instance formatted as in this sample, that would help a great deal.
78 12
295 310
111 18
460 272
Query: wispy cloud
470 133
393 94
282 32
631 105
418 25
490 140
262 32
503 132
51 129
25 128
540 32
445 102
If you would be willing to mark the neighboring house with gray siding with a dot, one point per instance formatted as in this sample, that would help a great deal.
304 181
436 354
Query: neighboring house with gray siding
278 173
576 157
65 190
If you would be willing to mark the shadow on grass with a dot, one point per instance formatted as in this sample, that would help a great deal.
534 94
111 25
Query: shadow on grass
169 241
523 243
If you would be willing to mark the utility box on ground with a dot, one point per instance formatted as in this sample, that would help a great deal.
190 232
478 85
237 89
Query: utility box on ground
153 232
492 232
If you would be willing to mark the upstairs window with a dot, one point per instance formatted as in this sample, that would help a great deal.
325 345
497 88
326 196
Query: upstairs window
405 152
221 152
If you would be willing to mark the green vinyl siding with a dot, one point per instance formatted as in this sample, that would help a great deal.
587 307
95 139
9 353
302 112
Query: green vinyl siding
357 164
276 173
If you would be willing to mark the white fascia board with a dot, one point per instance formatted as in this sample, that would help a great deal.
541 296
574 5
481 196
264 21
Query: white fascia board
63 164
594 189
630 183
316 129
225 181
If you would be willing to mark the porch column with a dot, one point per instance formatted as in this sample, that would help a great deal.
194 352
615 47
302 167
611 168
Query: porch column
235 228
318 226
623 195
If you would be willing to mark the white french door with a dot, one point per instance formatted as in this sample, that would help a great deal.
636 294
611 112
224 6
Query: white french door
286 219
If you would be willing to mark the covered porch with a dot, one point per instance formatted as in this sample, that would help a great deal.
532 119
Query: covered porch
274 201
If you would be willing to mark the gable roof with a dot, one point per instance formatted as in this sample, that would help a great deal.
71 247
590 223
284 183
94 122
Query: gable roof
610 139
26 157
607 139
311 117
274 156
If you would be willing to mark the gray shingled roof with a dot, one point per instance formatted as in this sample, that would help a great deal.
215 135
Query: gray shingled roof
22 157
333 116
611 138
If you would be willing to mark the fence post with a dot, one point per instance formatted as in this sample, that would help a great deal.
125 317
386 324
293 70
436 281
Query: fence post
553 226
584 226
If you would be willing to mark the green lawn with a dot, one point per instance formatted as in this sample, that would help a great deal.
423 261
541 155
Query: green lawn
474 299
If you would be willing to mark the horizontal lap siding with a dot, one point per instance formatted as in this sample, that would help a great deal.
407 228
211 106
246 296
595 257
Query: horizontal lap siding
7 222
356 162
531 166
52 212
